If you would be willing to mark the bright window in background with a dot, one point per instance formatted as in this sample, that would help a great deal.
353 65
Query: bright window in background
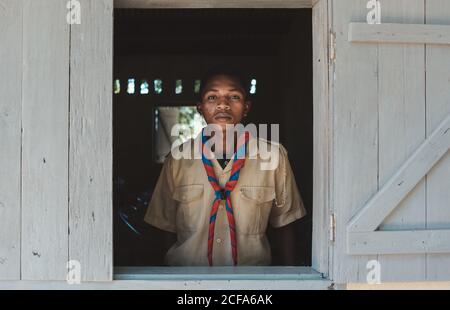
158 86
253 86
116 86
131 86
144 87
178 87
191 123
197 84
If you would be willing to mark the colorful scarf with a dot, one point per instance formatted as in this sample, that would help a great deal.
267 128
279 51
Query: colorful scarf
224 193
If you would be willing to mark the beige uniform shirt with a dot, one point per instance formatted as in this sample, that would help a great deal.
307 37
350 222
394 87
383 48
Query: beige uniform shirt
182 200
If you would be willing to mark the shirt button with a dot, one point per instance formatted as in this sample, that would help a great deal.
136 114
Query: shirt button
219 240
221 207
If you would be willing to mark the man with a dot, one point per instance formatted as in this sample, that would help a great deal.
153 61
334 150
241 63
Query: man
217 210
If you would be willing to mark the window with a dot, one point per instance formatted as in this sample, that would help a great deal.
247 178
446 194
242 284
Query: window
165 118
178 87
116 86
197 84
176 103
158 86
253 86
144 87
131 86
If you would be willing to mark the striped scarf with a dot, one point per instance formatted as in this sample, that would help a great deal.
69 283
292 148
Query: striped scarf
224 193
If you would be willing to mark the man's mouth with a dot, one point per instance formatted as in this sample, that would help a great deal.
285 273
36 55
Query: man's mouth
223 116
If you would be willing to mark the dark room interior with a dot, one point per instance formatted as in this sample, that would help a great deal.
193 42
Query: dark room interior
158 57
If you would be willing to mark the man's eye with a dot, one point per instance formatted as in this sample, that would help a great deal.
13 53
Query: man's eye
212 97
235 97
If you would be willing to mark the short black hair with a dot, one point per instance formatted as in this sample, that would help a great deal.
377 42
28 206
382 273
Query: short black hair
227 70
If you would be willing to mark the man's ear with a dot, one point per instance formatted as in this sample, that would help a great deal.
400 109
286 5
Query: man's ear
199 108
248 106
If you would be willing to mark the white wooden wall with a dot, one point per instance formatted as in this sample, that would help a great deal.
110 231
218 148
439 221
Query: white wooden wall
90 161
45 110
56 137
355 131
388 98
438 107
401 129
10 137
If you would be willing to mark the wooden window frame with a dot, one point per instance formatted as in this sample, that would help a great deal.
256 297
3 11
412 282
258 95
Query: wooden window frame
314 277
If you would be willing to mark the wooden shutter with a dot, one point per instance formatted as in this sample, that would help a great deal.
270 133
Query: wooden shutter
45 110
391 140
10 137
90 161
56 135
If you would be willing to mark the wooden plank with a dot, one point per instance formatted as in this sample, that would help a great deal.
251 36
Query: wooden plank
45 140
331 162
438 106
404 180
398 33
401 100
10 137
399 242
322 126
355 133
160 4
90 168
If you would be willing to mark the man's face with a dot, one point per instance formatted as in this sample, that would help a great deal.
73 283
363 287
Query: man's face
223 101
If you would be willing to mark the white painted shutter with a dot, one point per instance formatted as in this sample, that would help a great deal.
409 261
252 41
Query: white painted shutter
391 97
56 136
90 151
10 149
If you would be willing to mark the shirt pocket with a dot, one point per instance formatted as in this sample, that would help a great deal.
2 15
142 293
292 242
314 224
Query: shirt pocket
189 199
253 209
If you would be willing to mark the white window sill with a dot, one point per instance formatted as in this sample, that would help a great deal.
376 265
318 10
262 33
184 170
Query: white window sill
216 273
194 278
222 278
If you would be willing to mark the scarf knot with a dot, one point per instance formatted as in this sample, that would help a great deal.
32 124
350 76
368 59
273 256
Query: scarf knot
222 194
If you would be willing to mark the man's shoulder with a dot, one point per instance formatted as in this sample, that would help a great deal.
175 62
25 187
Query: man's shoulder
271 145
185 150
188 144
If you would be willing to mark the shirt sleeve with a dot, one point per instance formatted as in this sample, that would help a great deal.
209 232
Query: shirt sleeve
161 211
289 204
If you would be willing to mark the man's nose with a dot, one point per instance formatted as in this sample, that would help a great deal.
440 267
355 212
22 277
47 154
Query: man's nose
223 103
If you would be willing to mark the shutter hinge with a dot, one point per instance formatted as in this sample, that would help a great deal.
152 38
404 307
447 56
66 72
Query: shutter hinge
332 228
332 46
